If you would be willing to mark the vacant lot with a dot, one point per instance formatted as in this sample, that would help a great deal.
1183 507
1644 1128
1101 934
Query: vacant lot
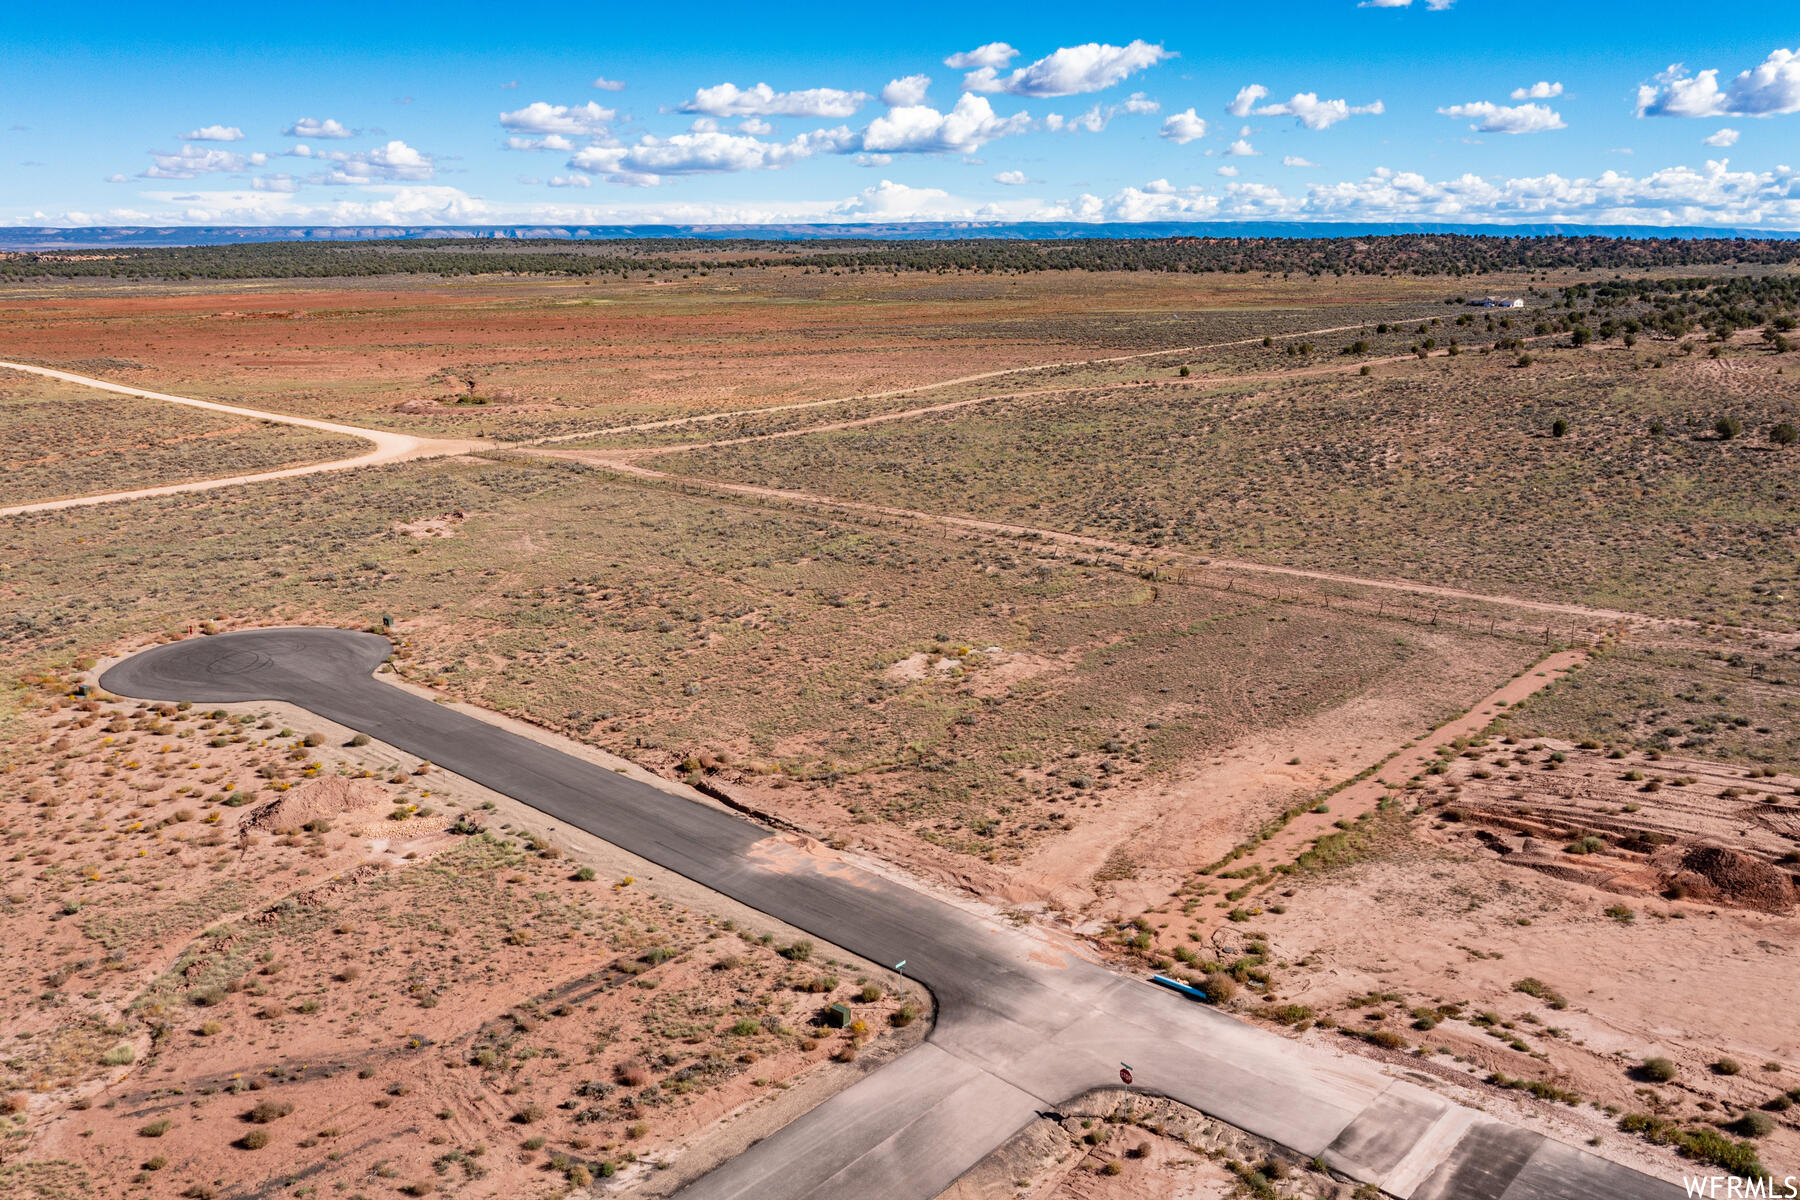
533 357
1735 703
954 704
240 953
1044 724
1445 472
58 440
1546 920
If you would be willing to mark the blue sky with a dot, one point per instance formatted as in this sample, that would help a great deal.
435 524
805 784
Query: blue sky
1469 111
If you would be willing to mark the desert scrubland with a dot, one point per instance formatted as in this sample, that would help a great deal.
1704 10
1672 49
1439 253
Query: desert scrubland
1415 677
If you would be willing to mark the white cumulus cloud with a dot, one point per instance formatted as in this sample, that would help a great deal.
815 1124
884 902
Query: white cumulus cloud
1011 178
1246 99
1070 71
1091 121
1543 89
1096 118
1312 112
1294 160
192 160
1484 116
570 181
572 120
214 133
703 153
1713 196
1242 149
1183 127
905 91
551 141
608 85
395 161
994 54
1765 90
1723 138
313 127
729 100
920 129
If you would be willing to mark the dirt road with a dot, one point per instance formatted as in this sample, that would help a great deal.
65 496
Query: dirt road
388 447
702 418
397 447
624 462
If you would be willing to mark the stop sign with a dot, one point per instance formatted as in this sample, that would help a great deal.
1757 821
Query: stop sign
1124 1074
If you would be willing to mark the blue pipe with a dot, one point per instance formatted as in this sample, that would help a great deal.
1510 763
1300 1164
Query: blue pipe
1175 985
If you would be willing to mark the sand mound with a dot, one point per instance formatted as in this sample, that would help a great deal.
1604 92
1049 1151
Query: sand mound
319 799
1716 875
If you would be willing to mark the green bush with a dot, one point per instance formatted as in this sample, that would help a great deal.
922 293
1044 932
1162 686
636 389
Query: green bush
1543 991
1292 1014
1657 1070
1700 1144
1753 1125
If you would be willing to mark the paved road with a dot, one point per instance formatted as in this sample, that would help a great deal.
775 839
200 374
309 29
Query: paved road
389 446
1021 1027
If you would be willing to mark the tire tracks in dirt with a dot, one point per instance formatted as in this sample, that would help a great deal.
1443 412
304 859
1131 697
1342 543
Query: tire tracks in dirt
389 447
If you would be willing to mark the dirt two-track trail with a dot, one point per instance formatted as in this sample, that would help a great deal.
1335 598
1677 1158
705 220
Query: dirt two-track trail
389 447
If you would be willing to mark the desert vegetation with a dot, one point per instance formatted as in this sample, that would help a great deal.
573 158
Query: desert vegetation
242 952
1316 799
59 440
997 698
1421 254
1374 475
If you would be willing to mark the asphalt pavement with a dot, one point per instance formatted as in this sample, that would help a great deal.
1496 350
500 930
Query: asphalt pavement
1021 1026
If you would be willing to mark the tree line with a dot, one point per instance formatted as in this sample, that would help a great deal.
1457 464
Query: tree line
1451 255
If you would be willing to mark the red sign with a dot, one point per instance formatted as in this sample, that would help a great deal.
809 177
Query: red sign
1125 1074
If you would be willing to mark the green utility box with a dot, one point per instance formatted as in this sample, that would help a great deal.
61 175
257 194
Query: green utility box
838 1016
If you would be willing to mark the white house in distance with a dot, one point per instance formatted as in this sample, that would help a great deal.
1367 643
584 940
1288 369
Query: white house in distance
1497 302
